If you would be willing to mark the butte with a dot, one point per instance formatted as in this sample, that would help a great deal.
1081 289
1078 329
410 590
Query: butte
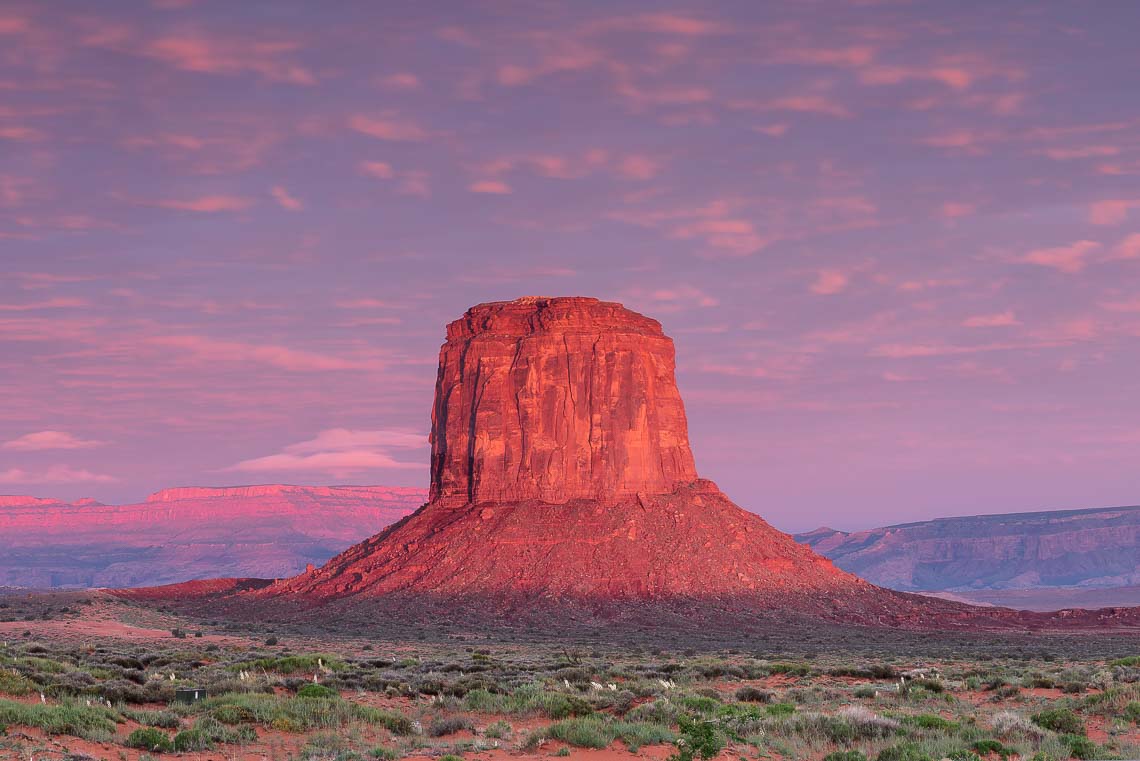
562 480
561 471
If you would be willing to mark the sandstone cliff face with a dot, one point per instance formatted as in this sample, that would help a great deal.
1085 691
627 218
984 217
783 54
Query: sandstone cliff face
1065 548
555 400
190 533
561 469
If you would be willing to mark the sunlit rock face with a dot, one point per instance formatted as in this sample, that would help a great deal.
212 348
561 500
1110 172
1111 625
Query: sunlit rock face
557 399
561 469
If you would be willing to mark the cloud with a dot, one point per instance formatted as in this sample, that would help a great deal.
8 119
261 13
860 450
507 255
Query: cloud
955 209
378 169
390 127
668 300
341 451
1111 212
494 187
999 320
829 282
45 440
808 104
1081 152
401 81
286 201
207 349
1129 248
204 204
56 303
56 474
215 55
1069 259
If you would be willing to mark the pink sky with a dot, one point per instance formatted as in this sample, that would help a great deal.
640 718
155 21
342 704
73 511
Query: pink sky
897 244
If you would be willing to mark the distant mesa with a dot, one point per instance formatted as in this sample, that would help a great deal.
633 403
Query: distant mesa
190 533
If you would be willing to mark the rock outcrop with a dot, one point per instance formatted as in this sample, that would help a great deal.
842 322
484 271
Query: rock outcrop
190 533
556 400
561 469
1097 548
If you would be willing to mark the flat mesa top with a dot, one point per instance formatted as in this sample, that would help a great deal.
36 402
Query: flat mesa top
554 314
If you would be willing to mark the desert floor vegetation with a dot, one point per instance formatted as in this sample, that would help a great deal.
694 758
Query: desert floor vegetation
283 695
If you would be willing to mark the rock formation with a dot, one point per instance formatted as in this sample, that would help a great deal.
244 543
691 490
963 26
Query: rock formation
190 533
1097 548
561 468
554 400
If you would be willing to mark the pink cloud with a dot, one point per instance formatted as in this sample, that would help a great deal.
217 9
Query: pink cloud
227 56
1111 212
1129 248
286 201
202 348
401 81
20 133
954 77
378 169
493 187
57 303
998 320
955 209
809 104
1081 152
829 282
851 56
56 474
638 167
341 450
45 440
1069 259
389 127
205 204
668 300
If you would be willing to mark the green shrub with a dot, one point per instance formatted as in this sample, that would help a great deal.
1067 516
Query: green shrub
1132 660
385 754
907 751
95 723
1080 746
846 755
192 739
928 721
12 683
499 730
312 690
988 747
781 709
597 732
698 738
1132 712
231 714
150 739
1060 720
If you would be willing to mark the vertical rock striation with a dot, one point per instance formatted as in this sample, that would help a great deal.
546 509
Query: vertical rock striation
554 400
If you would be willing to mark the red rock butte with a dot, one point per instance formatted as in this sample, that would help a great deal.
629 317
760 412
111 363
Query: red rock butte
561 468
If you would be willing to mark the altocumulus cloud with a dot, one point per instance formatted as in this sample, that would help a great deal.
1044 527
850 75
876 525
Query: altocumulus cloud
41 440
341 451
56 474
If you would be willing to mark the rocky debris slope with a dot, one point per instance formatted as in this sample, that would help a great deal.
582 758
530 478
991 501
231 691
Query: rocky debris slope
190 533
1097 548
